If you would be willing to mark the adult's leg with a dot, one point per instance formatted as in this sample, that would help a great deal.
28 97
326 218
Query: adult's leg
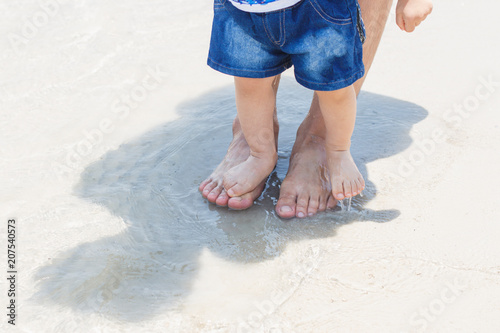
305 190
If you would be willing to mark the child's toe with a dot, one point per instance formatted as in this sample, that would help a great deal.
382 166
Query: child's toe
214 194
362 183
237 190
208 188
359 187
222 199
347 189
338 189
354 187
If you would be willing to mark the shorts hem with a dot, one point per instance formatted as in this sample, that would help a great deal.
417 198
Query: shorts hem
249 73
330 86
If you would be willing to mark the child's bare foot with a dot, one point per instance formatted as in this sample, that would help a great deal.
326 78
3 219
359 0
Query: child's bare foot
238 152
346 179
246 176
211 188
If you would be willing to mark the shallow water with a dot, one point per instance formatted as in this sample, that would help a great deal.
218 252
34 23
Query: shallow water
151 184
121 240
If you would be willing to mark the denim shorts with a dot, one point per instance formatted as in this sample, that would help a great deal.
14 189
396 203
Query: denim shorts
322 39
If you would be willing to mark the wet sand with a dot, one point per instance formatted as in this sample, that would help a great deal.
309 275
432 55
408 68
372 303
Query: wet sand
110 119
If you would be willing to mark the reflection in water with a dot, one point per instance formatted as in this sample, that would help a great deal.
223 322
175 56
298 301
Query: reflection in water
152 185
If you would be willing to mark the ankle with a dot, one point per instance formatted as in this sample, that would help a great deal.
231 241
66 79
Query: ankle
270 156
340 146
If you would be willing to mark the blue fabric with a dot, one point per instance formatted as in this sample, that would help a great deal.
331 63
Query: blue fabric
322 39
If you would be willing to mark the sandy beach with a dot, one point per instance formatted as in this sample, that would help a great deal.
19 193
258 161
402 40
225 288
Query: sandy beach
110 119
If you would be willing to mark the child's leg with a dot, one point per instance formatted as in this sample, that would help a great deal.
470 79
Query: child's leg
339 111
255 103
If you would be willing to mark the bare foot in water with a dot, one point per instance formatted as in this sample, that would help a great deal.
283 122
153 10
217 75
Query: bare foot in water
244 177
238 152
306 188
346 179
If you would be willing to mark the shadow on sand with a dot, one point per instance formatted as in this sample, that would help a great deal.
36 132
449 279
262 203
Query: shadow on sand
151 184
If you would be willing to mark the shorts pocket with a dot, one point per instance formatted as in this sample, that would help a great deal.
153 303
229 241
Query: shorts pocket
333 11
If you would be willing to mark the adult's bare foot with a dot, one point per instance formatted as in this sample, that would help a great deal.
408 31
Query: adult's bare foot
306 188
238 152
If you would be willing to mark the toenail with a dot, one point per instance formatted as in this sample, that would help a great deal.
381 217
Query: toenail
230 193
286 209
310 214
300 214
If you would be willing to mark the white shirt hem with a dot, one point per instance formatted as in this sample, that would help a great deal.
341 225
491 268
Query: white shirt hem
263 8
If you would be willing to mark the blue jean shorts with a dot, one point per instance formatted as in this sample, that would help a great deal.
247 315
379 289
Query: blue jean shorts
322 39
